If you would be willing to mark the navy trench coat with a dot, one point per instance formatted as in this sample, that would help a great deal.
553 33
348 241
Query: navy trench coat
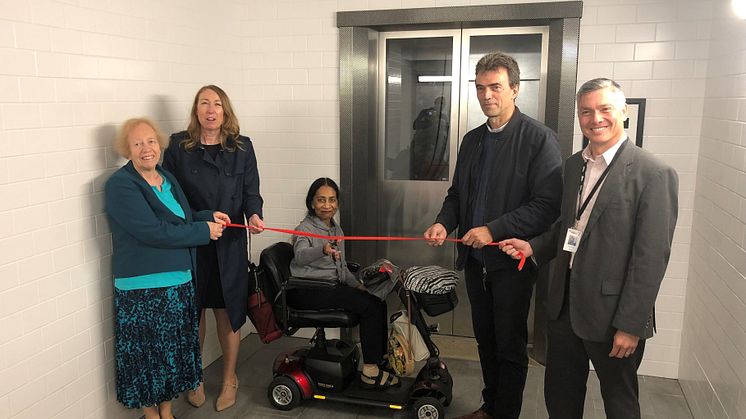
230 184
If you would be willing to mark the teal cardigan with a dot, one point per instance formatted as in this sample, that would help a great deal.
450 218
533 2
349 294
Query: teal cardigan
147 237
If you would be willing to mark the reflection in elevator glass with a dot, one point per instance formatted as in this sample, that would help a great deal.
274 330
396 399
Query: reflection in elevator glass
418 108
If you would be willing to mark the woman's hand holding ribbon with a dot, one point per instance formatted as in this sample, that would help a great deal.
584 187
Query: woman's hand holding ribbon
256 224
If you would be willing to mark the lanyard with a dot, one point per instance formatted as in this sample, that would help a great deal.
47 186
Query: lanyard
598 182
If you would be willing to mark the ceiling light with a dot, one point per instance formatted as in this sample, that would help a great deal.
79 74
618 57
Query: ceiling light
739 8
434 79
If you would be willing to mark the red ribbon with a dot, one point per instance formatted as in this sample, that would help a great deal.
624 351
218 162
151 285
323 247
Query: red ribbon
522 262
361 238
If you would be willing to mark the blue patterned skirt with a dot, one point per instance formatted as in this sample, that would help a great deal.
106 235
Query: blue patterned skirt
157 344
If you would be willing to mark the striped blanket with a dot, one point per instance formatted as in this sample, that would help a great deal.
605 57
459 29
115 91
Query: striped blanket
430 279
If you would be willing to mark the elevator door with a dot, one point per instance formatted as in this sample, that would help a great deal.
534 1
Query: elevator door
427 102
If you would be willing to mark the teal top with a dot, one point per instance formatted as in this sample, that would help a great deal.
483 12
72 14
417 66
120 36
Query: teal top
160 279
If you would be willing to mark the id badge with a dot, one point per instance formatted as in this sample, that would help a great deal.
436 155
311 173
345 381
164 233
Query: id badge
571 240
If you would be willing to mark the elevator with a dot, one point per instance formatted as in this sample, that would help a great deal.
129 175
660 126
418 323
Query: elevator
407 97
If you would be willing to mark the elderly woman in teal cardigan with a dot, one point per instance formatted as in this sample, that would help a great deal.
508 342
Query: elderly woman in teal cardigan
154 232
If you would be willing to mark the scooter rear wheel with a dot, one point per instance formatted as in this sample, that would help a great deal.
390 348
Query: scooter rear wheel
283 393
428 408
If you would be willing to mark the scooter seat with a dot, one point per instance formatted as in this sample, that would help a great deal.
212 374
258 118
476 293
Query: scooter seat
322 318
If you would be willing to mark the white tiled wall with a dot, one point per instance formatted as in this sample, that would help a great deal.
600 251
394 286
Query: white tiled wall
71 70
713 360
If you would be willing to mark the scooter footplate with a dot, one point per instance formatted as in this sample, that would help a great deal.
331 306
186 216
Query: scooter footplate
393 395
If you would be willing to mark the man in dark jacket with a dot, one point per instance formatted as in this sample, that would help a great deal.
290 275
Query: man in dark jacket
507 183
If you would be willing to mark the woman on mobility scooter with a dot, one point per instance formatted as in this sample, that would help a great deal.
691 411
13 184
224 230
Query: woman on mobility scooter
320 258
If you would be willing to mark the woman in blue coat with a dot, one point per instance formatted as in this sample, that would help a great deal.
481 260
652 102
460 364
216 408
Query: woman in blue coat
216 166
154 232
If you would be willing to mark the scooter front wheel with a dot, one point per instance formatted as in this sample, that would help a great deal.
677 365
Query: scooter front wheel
284 393
428 408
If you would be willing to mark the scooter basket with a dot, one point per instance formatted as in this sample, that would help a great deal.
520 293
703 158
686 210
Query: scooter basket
437 304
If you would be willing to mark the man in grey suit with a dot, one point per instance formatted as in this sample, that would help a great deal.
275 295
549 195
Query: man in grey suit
611 243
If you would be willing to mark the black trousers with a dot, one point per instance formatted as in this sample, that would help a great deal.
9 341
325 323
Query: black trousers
567 373
499 310
372 312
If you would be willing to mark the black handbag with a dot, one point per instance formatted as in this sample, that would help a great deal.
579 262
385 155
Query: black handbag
380 278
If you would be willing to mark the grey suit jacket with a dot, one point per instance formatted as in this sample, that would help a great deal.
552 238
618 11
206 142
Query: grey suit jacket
624 250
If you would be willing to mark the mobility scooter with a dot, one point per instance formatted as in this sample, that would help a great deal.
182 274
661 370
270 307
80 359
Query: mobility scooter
328 368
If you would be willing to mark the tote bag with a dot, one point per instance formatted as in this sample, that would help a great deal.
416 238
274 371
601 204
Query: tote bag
260 309
402 325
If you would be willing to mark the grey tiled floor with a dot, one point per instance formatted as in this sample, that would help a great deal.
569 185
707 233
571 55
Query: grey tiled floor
660 398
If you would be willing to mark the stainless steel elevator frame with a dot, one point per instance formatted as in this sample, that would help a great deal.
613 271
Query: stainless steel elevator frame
358 116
